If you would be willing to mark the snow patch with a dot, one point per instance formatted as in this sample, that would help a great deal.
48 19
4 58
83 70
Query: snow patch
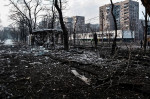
8 42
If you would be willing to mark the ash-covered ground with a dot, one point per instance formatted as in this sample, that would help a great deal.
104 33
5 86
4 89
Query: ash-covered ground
38 73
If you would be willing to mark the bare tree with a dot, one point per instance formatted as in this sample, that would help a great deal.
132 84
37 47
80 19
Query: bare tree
52 23
36 11
0 23
26 10
146 3
145 32
14 32
115 23
102 28
21 24
58 6
29 19
132 26
74 31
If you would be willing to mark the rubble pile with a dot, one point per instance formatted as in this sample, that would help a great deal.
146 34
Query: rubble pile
27 72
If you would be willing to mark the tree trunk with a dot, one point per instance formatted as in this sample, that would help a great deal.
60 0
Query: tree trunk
74 32
102 29
52 24
145 33
114 19
65 32
146 3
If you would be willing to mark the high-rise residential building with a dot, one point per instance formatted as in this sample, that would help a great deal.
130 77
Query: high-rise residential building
79 23
142 30
126 14
91 28
76 23
43 23
69 24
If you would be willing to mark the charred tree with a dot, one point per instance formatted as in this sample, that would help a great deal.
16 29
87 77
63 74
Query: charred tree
28 13
74 31
115 24
52 24
146 3
102 28
145 31
36 11
30 18
58 6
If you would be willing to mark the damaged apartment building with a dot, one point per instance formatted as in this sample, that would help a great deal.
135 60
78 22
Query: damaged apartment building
126 15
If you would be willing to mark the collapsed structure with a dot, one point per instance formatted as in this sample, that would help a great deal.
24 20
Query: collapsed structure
44 37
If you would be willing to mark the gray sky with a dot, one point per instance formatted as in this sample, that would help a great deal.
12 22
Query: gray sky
90 8
87 8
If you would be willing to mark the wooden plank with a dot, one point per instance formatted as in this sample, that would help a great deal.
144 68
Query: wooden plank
82 77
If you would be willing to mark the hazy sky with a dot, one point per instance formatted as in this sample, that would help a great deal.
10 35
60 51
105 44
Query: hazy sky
87 8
